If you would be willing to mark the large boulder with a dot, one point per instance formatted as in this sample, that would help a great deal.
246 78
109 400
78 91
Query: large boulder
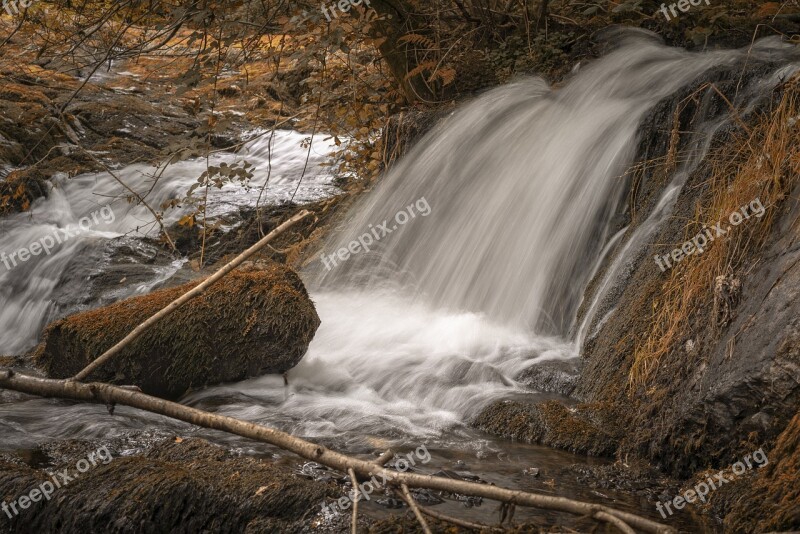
258 320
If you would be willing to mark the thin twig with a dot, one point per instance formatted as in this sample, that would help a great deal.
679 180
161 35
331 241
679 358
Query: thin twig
186 297
411 504
139 197
354 481
459 522
617 522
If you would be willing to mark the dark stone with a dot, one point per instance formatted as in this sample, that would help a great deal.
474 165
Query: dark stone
553 376
187 486
257 320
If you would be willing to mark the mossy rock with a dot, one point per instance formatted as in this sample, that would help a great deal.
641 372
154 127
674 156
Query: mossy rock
772 502
258 320
549 423
176 486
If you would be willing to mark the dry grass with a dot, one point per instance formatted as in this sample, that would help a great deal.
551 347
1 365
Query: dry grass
764 163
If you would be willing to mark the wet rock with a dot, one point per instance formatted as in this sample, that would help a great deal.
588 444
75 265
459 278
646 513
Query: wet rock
257 320
554 376
637 477
191 486
549 423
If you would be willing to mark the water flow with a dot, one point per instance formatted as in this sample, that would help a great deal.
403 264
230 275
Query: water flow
523 184
30 289
445 310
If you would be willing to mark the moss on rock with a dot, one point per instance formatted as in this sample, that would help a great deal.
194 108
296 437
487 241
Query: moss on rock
187 486
257 320
772 502
548 423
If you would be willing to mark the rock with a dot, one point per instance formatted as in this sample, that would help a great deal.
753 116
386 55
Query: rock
552 376
257 320
726 380
547 423
186 486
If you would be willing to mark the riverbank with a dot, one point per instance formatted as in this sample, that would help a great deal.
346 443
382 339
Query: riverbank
674 392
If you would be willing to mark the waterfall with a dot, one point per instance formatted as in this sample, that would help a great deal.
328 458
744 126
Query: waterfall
481 243
523 185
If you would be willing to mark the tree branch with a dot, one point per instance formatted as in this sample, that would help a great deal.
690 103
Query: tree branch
108 394
354 482
186 297
411 504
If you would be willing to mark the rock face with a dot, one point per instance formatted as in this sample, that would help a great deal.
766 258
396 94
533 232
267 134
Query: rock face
258 320
695 367
189 486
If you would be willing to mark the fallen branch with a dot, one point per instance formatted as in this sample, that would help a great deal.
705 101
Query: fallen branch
110 395
354 482
186 297
411 504
385 457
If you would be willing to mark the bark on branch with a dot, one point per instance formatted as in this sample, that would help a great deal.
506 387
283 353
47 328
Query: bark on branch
186 297
110 395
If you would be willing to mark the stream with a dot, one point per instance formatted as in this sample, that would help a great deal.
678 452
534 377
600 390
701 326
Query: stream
525 186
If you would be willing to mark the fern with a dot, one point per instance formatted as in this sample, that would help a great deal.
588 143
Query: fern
416 38
426 65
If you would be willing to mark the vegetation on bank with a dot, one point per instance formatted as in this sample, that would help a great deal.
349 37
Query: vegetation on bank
372 80
285 63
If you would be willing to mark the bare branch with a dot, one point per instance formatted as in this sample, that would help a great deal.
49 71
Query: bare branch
108 394
411 504
354 481
186 297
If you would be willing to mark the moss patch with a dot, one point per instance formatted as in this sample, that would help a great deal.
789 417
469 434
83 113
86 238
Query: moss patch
772 502
548 423
191 486
257 320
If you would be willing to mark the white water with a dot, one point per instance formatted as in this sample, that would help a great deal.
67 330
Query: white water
523 184
436 321
29 290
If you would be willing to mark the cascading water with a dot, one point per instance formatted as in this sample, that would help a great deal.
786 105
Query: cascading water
445 310
29 290
523 185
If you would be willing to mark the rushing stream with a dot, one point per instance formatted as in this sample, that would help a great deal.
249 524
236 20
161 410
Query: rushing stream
523 186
